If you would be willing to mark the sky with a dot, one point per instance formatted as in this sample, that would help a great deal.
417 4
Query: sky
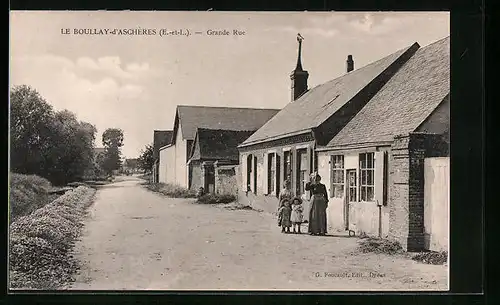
135 82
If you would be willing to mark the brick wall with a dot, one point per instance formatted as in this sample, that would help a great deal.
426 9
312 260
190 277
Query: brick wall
416 193
406 189
399 171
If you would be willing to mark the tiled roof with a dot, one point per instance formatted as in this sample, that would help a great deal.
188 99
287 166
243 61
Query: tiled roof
160 139
321 102
223 118
211 144
407 99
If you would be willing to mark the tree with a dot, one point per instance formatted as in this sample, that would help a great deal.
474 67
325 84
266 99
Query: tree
112 139
72 150
146 160
54 145
30 121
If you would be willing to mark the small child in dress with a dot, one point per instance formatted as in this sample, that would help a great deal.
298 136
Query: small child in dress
284 214
296 216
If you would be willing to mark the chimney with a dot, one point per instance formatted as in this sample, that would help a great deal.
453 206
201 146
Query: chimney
298 76
350 63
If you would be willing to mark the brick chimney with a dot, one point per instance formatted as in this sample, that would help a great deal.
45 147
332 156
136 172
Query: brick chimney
350 63
298 76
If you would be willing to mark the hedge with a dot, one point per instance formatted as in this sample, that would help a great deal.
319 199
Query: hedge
27 193
41 243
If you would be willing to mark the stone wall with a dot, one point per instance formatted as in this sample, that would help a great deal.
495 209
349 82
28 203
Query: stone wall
226 179
197 180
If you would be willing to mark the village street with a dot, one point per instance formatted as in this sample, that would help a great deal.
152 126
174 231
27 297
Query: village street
135 239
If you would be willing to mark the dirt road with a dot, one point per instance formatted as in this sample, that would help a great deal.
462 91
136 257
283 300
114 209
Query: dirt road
135 239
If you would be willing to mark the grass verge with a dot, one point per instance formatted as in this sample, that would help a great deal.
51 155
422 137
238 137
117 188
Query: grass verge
216 198
379 245
170 190
431 257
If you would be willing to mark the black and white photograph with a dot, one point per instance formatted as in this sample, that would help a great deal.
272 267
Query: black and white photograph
211 150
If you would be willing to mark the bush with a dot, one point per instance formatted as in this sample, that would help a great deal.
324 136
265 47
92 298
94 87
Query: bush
40 243
433 258
27 193
171 190
379 245
216 198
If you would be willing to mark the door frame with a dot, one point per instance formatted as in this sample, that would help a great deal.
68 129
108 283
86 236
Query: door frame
347 194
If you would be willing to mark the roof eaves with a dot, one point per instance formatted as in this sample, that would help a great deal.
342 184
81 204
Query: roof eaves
354 145
164 147
281 136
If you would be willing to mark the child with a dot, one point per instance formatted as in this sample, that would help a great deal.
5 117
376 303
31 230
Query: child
284 214
296 216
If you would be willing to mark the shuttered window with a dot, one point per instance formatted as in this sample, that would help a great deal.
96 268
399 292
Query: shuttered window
271 173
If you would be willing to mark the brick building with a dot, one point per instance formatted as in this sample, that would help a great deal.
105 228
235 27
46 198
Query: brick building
174 157
375 167
285 147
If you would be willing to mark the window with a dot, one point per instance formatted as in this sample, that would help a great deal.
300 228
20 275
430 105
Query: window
288 166
366 176
271 170
302 171
337 165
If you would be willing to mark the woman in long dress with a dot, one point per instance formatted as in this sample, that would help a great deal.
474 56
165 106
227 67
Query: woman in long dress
319 203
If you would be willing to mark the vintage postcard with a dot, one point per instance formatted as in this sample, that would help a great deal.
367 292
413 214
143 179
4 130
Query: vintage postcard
299 151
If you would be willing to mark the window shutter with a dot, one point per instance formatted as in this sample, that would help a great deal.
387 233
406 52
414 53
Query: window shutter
379 177
331 165
265 177
244 170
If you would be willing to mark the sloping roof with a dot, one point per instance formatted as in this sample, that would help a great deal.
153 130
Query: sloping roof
160 139
321 102
211 144
222 118
405 101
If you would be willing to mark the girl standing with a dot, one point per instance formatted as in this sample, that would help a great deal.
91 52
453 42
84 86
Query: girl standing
284 214
297 215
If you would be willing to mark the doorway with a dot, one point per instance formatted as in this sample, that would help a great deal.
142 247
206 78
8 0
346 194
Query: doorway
351 194
209 178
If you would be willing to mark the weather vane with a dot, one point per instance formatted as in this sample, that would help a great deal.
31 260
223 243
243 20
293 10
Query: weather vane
299 37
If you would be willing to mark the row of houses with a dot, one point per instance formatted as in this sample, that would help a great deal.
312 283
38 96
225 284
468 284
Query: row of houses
377 135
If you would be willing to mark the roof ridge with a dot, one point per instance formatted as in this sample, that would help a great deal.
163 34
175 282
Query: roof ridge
226 107
402 50
436 42
219 129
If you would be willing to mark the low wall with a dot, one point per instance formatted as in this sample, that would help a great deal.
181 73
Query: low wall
268 204
226 180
